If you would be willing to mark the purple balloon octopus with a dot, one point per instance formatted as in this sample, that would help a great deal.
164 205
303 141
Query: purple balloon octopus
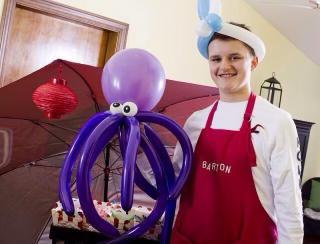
133 82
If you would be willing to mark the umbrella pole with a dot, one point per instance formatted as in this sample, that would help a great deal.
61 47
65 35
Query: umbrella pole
106 172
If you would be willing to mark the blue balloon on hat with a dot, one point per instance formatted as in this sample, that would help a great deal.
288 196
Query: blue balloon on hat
203 8
214 21
203 45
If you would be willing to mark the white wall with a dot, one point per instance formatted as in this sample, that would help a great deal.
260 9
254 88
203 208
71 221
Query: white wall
166 28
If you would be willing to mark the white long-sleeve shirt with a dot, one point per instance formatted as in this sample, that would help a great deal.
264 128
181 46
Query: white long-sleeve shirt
276 175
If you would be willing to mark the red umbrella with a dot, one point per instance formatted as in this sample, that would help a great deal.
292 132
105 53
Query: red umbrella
32 146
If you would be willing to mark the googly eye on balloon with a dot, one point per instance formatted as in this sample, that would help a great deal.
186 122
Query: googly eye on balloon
129 109
116 108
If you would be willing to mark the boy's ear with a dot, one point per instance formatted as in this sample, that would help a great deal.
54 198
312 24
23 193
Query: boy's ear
254 62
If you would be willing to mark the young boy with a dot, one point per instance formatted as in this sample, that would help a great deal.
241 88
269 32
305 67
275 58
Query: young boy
244 185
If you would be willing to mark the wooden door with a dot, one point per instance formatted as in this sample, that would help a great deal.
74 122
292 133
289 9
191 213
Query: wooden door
39 32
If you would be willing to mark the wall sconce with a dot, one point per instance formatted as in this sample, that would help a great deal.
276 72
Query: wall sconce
271 90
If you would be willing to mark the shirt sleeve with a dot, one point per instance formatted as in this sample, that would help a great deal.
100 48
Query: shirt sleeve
177 159
192 127
285 173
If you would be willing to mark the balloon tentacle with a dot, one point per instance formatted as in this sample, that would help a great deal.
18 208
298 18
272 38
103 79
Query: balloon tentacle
129 161
168 221
184 141
163 154
122 140
70 158
143 184
162 192
139 179
98 139
170 178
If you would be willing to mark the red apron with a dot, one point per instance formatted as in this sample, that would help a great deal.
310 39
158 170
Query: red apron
219 203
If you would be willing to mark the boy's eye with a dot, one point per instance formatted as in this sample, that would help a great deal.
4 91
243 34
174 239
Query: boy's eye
235 57
215 59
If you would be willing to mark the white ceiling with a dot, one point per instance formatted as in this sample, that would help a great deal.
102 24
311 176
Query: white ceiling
299 25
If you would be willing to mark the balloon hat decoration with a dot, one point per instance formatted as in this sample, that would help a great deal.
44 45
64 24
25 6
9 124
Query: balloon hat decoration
133 82
209 12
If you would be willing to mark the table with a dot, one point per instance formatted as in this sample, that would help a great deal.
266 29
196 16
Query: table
74 236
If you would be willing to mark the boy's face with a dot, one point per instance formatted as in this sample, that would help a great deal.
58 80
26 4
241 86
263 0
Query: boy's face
230 64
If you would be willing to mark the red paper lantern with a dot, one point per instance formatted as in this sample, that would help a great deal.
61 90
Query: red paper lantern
54 98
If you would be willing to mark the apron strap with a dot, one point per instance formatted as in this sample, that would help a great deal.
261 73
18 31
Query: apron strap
210 117
250 105
246 126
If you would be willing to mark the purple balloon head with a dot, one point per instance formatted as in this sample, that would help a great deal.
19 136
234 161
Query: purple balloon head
133 75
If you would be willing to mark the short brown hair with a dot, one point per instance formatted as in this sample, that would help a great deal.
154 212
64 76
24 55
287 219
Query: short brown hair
219 36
